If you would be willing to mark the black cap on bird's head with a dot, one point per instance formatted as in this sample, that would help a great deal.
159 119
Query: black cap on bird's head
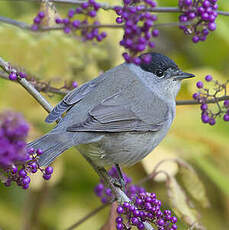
158 64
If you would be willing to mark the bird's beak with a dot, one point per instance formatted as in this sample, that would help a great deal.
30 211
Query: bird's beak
182 75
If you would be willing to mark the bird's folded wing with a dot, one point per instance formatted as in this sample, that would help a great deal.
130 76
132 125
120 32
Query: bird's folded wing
120 114
70 99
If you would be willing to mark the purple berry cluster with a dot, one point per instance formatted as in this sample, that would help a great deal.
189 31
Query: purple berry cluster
145 207
13 132
138 28
89 31
14 75
16 162
219 109
37 21
201 14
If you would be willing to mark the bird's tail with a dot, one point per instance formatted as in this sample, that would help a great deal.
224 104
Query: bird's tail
52 145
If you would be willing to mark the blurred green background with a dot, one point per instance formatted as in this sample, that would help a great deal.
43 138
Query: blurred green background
57 57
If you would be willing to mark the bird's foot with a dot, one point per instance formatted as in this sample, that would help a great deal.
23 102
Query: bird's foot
120 180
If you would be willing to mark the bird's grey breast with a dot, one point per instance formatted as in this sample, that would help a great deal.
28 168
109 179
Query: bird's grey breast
123 148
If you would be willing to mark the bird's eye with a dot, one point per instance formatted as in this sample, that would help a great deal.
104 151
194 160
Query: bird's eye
159 73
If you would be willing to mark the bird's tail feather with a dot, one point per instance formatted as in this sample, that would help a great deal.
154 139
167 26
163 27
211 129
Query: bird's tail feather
52 145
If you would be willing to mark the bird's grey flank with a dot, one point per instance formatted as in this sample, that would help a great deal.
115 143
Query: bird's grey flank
117 118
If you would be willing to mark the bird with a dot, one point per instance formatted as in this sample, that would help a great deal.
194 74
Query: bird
117 118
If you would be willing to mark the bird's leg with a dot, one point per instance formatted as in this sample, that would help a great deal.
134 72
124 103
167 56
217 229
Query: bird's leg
120 177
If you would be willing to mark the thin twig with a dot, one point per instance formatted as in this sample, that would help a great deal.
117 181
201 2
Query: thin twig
29 88
38 85
13 22
89 215
194 102
25 26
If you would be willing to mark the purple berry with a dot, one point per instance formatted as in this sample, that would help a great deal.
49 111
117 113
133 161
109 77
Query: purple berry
22 75
160 222
120 210
71 13
199 84
97 6
208 78
206 4
136 60
226 103
41 14
195 96
26 186
92 13
120 226
13 76
103 34
141 226
46 176
119 20
22 173
147 58
58 20
188 2
26 180
212 121
78 10
76 23
204 107
39 152
155 33
191 15
34 170
205 32
126 205
174 219
212 26
31 151
85 5
49 170
119 220
67 30
134 221
37 20
205 118
34 27
66 21
226 117
195 39
74 84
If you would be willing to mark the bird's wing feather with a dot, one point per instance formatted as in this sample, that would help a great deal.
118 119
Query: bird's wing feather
76 95
71 99
119 113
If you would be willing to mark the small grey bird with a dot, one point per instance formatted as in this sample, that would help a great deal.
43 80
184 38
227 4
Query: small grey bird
117 118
